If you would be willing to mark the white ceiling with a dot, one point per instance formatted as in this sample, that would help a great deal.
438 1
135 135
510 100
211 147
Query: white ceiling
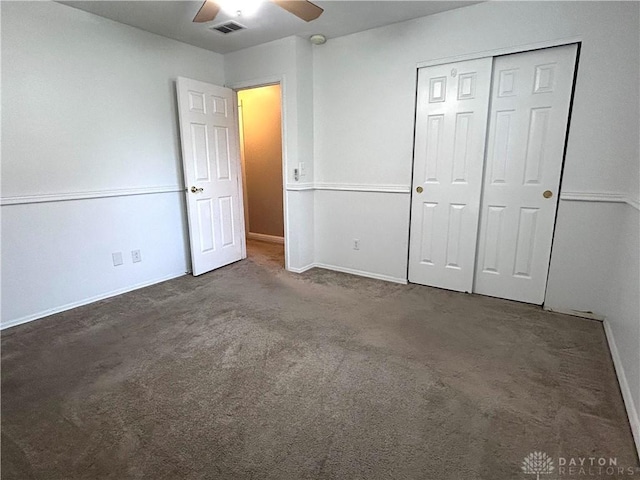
173 19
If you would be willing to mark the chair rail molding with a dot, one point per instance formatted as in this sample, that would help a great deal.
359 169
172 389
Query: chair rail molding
66 196
351 187
571 196
606 197
363 187
299 187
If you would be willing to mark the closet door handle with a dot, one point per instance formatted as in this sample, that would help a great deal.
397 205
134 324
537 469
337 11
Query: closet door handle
419 189
547 194
196 190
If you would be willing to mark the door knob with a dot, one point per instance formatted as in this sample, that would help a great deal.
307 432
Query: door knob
547 194
196 190
419 189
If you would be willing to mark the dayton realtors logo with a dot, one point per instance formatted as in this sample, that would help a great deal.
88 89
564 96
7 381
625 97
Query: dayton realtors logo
537 463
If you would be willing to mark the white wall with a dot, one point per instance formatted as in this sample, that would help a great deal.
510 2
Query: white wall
88 105
57 255
290 61
364 95
383 242
623 312
574 284
364 90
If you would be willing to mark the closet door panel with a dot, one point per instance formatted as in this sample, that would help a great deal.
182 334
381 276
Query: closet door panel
451 122
525 147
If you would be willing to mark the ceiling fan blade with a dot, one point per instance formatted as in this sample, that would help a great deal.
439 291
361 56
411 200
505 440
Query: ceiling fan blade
207 12
303 9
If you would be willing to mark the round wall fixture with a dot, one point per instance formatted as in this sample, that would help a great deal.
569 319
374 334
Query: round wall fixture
317 39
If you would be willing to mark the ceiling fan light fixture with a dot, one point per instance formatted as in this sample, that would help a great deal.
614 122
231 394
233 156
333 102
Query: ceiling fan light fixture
318 39
244 8
303 9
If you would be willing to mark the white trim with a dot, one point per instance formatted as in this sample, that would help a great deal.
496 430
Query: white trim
242 178
610 197
300 187
362 273
633 202
501 51
575 313
350 271
265 238
86 301
634 419
61 197
256 82
361 187
350 187
302 269
606 197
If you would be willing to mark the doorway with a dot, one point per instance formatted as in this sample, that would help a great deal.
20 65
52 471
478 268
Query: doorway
260 129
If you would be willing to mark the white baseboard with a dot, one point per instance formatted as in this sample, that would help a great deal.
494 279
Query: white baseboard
351 271
575 313
86 301
632 412
265 238
301 269
362 273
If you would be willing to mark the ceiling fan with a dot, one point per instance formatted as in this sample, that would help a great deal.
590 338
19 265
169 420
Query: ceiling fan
303 9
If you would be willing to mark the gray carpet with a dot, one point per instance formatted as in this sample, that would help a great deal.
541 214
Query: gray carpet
251 372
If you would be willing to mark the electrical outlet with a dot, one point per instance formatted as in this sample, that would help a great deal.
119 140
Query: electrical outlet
135 256
117 258
356 244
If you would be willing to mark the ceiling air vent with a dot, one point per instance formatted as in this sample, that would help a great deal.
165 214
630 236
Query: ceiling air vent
228 27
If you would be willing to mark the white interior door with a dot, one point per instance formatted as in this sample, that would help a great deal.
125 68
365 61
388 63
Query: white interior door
209 134
527 128
452 111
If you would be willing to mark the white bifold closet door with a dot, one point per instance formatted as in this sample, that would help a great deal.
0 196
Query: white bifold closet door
527 129
510 248
451 125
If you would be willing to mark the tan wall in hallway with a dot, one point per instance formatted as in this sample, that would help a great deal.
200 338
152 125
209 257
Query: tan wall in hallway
262 137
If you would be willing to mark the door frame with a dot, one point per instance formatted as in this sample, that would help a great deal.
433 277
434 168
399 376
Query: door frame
498 52
257 83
